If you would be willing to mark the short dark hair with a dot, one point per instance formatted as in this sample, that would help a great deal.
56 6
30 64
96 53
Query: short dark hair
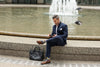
55 16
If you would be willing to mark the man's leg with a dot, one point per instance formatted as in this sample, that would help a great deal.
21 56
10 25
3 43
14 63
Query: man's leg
48 52
48 48
57 39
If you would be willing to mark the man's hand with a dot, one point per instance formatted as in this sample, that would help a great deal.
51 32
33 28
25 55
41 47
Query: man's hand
49 35
54 35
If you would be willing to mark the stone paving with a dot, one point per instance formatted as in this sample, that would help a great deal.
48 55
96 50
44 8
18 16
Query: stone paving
10 61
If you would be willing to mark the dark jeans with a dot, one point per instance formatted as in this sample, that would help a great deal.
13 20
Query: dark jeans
55 41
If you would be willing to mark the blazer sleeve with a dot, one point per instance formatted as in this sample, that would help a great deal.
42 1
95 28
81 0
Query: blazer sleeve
65 32
53 31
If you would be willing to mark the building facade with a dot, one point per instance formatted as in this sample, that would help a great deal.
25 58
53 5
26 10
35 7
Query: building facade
80 2
23 1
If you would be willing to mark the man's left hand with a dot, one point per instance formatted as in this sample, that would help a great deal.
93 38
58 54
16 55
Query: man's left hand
54 35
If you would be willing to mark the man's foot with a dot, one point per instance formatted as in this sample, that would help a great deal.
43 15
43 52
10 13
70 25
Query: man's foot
46 62
40 42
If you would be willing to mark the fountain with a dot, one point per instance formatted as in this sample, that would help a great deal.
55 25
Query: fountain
63 7
66 9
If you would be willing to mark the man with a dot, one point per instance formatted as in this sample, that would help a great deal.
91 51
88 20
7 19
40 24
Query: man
57 38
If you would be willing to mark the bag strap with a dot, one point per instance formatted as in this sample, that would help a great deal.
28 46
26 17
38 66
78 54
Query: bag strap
33 47
37 47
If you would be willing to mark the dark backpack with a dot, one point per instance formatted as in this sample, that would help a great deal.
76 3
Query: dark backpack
36 54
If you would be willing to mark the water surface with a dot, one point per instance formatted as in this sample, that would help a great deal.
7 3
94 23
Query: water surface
33 20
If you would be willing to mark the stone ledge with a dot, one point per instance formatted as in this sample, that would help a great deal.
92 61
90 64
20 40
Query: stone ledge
66 52
53 56
55 50
45 6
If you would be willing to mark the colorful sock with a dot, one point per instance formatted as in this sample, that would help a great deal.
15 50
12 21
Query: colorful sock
48 58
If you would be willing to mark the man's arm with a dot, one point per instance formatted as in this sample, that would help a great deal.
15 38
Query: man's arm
65 31
53 32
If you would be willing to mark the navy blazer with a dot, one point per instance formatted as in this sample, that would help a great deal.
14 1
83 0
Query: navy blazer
62 31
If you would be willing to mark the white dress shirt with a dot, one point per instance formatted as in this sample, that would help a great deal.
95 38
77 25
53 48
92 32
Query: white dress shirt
56 29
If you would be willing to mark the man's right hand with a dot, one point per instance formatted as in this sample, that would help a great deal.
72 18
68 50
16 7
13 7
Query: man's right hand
49 35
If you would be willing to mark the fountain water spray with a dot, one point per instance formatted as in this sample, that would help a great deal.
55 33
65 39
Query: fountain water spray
63 7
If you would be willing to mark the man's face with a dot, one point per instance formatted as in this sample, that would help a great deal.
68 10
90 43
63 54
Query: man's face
56 21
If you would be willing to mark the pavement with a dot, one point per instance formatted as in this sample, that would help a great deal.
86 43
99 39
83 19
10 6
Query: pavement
10 61
33 5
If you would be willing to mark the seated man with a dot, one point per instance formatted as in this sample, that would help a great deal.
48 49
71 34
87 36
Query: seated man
57 38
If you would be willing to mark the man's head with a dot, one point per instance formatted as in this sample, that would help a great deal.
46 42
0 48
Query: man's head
56 19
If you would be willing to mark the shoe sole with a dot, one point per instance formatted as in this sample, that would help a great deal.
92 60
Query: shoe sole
45 63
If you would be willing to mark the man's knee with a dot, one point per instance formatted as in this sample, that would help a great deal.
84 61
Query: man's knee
50 44
57 37
48 41
54 39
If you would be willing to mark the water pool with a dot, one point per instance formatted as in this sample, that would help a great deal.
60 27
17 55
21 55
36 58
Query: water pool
32 20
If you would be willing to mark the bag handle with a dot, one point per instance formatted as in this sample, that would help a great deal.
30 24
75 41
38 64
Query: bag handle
36 47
